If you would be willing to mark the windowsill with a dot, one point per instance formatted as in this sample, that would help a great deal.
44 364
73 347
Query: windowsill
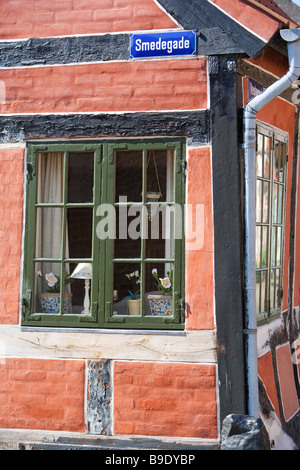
266 320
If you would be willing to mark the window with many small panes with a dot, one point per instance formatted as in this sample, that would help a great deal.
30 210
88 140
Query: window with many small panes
271 167
104 234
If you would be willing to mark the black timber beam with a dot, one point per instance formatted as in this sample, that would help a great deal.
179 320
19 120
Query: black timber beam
226 98
67 50
194 125
103 48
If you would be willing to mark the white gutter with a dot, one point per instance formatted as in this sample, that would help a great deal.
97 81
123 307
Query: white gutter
292 36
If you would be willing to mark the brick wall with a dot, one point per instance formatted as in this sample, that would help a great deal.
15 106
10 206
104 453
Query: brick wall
108 87
165 399
11 222
151 399
27 18
42 394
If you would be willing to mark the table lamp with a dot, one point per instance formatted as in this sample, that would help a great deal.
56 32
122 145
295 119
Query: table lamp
84 271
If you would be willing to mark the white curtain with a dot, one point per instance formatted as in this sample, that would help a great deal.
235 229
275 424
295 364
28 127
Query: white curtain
49 220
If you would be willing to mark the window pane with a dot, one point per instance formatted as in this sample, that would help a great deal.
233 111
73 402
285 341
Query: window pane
159 289
81 275
161 232
79 233
259 195
262 201
47 289
259 156
258 247
129 174
276 246
275 203
261 291
127 286
273 246
128 235
273 289
267 148
261 246
80 177
50 177
48 232
279 161
280 204
266 195
160 176
264 255
279 245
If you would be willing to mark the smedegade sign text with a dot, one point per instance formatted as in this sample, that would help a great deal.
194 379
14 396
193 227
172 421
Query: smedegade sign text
175 43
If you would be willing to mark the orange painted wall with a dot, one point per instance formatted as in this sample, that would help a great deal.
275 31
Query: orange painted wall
257 21
199 256
30 19
176 400
266 373
107 87
290 403
42 394
11 221
272 61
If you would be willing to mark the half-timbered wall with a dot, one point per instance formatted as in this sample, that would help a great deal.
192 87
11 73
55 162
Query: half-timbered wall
86 87
66 75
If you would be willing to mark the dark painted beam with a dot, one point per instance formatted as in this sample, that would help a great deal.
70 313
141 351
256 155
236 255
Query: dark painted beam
225 86
60 51
47 51
191 124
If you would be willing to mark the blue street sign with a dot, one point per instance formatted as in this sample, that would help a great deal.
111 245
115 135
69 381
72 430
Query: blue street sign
173 43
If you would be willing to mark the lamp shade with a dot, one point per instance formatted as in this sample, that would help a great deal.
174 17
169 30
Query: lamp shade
82 271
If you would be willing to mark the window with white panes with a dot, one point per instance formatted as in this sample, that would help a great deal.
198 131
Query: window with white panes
271 167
